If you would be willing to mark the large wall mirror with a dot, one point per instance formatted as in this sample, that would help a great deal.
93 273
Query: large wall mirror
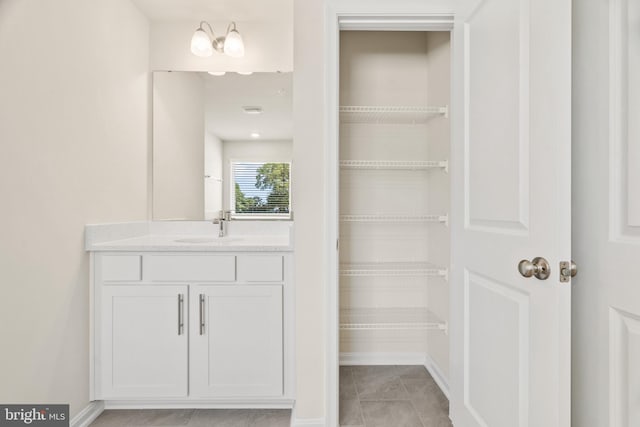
221 143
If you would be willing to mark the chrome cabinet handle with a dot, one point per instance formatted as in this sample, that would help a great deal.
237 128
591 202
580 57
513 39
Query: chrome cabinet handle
538 267
201 314
180 314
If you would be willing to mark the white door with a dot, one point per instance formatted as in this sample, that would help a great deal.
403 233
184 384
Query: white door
236 341
511 165
607 214
144 343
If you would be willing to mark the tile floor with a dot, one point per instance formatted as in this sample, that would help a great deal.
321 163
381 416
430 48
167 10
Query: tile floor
391 396
194 418
370 396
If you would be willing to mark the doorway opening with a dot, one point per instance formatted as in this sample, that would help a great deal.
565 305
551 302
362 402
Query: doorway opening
393 213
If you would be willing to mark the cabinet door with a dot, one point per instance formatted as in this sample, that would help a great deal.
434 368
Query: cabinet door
144 346
236 341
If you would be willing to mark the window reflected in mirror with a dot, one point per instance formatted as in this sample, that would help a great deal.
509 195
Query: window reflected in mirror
261 189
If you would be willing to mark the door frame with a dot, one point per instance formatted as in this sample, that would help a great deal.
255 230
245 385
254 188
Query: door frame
400 15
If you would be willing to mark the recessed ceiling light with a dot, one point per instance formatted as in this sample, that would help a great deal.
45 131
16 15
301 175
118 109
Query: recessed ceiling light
255 135
252 109
217 73
245 73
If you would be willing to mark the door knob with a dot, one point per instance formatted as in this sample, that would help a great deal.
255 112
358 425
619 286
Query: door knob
538 267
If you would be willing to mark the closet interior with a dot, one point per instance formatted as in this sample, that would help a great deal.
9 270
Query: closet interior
394 146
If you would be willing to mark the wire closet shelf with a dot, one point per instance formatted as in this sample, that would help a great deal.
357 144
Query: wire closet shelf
390 114
393 269
395 164
444 219
390 319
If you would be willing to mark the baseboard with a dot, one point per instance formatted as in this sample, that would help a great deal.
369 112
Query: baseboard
307 422
85 417
93 410
200 404
347 359
437 375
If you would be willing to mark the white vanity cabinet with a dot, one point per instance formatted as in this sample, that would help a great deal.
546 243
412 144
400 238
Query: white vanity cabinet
204 327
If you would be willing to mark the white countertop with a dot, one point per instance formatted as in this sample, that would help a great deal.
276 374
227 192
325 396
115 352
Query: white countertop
190 236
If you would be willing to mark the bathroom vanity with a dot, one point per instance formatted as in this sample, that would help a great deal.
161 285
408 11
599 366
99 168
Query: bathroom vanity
184 318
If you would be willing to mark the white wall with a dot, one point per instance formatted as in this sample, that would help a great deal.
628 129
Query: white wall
178 146
251 151
308 199
439 190
74 142
268 47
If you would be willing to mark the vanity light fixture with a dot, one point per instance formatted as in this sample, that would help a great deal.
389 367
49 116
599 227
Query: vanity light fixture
217 73
245 73
203 43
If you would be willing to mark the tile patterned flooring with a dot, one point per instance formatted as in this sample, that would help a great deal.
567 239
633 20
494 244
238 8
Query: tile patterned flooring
370 396
194 418
391 396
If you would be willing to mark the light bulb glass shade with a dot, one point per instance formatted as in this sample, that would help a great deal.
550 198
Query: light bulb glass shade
201 43
233 45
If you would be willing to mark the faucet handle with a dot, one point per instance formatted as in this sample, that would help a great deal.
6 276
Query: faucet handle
221 217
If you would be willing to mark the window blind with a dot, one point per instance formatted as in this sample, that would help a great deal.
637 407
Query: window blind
261 188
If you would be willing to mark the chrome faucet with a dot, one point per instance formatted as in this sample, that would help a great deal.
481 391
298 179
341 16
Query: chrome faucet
225 217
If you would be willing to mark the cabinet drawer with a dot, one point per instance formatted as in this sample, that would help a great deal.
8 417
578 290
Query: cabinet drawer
200 268
260 268
121 268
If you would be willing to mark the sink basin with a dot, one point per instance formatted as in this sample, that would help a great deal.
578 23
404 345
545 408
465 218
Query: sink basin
196 240
215 240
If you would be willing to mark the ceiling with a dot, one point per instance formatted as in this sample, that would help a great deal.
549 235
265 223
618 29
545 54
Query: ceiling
226 95
219 10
